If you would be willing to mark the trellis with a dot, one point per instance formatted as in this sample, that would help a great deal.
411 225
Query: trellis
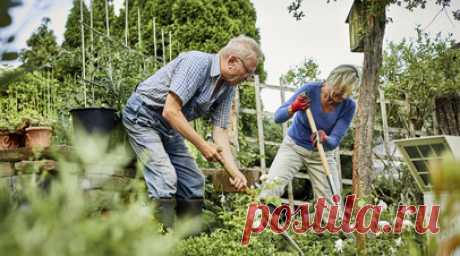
110 39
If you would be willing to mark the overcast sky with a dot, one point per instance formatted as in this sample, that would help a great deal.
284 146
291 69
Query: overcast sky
322 34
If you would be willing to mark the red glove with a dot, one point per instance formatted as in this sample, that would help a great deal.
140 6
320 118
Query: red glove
302 102
322 137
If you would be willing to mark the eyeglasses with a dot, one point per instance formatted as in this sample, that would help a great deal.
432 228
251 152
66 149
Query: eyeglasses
246 69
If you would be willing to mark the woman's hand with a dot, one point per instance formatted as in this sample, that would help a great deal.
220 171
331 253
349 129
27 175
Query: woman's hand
322 137
302 102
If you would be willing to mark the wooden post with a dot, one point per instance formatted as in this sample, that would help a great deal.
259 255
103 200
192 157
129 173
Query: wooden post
126 23
386 134
409 119
233 131
260 127
284 126
155 43
83 71
375 16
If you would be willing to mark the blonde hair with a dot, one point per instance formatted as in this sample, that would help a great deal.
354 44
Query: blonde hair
243 47
344 77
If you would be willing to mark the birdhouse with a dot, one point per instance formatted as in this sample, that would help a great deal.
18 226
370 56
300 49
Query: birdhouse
418 152
356 24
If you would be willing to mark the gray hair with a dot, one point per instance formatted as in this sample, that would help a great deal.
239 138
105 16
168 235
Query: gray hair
344 77
243 47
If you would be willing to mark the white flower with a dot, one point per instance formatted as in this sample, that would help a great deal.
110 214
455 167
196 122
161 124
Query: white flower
383 205
85 184
392 251
339 245
398 242
222 199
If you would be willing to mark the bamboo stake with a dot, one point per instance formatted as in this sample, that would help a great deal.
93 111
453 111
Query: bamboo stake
170 46
83 50
155 42
139 34
107 26
126 23
163 46
92 26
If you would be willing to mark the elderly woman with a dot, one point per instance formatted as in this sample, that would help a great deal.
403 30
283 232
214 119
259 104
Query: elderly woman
333 111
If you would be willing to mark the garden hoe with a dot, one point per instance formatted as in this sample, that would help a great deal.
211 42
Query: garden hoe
321 152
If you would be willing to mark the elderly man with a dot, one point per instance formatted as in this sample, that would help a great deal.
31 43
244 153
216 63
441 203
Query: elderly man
333 110
157 115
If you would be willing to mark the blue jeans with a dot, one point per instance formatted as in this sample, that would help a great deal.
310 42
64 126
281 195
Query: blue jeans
169 169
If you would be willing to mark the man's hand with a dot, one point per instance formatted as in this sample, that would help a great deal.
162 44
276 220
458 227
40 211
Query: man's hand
239 181
211 152
322 137
302 102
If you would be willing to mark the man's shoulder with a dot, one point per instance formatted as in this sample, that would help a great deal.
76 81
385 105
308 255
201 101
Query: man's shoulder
197 55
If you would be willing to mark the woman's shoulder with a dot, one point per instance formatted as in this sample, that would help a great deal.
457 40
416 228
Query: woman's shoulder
349 104
311 86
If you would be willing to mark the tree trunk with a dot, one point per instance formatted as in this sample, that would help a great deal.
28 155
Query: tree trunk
362 152
448 114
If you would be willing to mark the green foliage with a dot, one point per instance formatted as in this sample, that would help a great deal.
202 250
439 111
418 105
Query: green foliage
41 46
72 33
68 218
420 70
305 72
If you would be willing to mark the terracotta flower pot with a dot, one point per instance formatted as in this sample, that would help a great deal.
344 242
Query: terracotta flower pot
38 137
9 141
4 141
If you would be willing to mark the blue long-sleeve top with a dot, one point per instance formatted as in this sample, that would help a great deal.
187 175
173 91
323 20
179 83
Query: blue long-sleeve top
334 123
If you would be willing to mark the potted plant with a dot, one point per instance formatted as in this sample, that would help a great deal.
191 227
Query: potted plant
5 142
39 131
11 133
101 118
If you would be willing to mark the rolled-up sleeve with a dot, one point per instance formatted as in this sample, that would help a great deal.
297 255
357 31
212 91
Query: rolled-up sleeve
188 76
221 115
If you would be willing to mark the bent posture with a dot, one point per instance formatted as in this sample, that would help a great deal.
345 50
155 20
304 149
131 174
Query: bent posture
157 115
333 111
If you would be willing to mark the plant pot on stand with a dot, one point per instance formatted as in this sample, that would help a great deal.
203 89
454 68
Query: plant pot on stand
38 137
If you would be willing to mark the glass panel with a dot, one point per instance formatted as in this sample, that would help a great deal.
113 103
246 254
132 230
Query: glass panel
439 148
420 166
412 152
425 178
426 150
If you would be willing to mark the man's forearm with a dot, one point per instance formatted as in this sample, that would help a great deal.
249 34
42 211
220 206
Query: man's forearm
221 138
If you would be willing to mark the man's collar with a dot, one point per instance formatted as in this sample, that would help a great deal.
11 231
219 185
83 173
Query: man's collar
215 66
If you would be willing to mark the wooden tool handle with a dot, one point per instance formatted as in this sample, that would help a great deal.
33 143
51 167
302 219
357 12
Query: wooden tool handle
319 145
